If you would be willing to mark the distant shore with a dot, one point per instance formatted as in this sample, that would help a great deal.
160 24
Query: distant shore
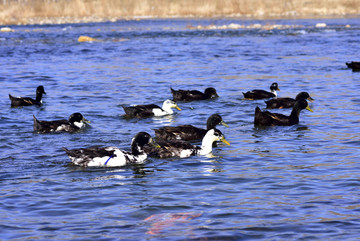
25 12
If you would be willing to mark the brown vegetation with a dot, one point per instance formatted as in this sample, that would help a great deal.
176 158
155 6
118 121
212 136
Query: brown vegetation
66 11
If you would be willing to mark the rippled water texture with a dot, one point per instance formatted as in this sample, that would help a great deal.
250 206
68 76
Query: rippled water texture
281 183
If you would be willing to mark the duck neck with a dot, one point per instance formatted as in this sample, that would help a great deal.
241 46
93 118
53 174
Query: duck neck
136 149
274 92
206 146
79 124
39 96
294 116
210 125
167 109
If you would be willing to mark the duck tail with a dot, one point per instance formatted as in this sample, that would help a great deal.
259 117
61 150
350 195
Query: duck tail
257 116
66 150
37 125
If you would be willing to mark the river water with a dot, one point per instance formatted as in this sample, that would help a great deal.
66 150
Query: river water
279 183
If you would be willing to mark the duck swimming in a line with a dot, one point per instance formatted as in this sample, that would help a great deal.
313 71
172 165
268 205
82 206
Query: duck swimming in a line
184 149
190 95
188 132
266 118
26 101
262 94
111 156
76 122
279 103
142 111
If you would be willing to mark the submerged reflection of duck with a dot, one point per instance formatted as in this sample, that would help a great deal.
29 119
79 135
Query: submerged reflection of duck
159 222
266 118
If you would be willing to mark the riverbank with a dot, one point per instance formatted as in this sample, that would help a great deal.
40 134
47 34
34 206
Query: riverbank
22 12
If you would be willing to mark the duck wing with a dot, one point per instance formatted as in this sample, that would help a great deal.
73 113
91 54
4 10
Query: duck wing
187 95
280 103
140 110
182 132
22 101
258 94
84 156
52 126
266 118
171 149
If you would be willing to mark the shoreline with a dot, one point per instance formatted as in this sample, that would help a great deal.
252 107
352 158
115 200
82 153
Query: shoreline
31 12
80 20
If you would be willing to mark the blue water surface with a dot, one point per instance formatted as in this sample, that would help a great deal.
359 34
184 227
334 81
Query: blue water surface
279 183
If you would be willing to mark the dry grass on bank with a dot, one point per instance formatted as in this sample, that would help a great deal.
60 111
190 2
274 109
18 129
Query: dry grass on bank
65 11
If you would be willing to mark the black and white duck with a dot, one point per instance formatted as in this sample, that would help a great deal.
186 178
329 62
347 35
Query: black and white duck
111 156
142 111
266 118
188 132
262 94
26 101
76 122
354 65
190 95
178 148
280 103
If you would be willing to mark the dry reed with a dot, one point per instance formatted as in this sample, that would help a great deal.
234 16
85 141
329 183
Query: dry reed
66 11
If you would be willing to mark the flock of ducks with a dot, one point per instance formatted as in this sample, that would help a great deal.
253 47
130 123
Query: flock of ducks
171 141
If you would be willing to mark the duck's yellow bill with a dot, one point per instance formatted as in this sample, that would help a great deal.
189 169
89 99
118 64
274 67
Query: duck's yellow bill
225 141
177 107
86 121
309 109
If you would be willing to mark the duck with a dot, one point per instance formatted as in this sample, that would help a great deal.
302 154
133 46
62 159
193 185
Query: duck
280 103
76 122
188 132
262 94
354 65
142 111
182 149
111 156
26 101
266 118
191 95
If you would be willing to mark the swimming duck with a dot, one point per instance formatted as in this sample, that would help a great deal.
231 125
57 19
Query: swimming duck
111 156
177 148
141 111
190 95
353 65
76 122
26 101
279 103
188 132
262 94
266 118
